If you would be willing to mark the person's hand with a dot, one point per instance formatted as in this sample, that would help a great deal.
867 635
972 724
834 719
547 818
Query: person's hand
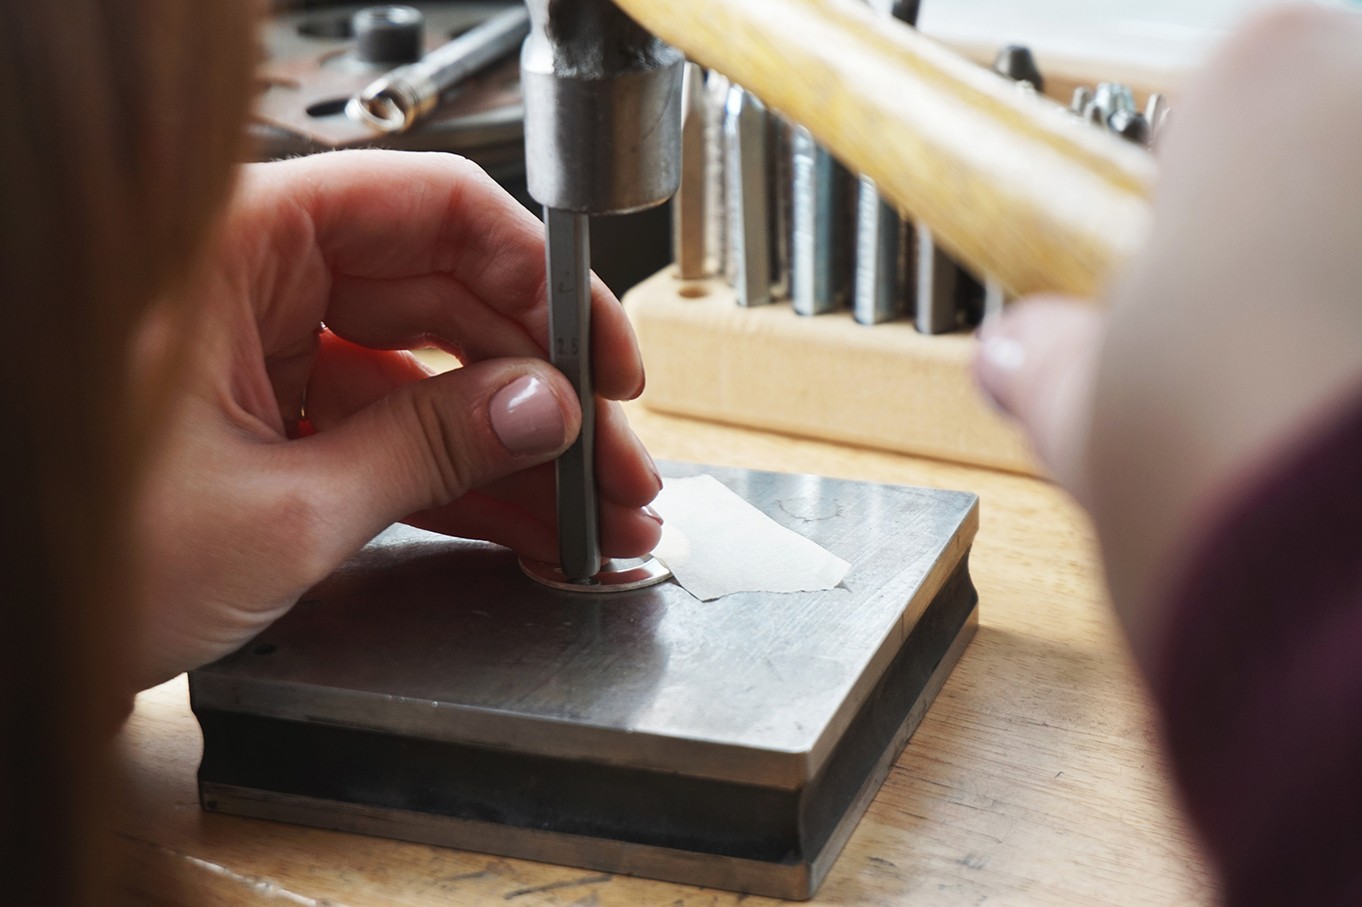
390 252
1238 327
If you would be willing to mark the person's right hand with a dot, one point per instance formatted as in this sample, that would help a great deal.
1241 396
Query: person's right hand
1238 327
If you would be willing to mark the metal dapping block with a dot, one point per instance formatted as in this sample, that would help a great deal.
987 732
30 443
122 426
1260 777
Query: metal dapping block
429 691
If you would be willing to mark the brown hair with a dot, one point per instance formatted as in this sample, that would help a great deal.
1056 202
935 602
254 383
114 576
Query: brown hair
123 121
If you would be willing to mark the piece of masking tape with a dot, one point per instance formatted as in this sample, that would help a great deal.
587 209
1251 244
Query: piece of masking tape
716 544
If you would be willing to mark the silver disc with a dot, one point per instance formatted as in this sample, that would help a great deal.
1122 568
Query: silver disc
617 575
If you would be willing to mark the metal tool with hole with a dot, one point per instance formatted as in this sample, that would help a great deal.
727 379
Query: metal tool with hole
399 98
317 58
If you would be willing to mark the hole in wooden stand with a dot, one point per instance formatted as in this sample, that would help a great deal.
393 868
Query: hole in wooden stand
329 107
693 291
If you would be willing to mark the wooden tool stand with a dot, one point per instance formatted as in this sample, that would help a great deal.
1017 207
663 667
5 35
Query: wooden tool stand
884 386
431 692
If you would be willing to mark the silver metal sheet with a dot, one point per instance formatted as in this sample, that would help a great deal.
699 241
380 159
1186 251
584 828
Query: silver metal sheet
751 688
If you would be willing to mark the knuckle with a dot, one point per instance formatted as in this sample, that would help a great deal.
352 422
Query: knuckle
299 536
445 450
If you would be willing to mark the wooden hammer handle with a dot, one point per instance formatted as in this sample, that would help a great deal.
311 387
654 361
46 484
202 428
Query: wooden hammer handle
1006 180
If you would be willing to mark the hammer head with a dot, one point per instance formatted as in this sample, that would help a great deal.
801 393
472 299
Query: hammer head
602 109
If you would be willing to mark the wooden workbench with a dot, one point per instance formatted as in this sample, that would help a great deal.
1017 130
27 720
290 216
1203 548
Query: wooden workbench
1035 778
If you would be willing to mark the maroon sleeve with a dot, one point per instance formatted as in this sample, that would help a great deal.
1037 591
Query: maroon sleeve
1260 679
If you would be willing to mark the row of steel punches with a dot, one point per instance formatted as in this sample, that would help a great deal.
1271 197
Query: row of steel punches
767 208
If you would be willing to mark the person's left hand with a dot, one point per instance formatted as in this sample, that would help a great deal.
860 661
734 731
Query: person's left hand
240 514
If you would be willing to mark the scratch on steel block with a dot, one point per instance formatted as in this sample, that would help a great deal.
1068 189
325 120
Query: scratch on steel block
554 886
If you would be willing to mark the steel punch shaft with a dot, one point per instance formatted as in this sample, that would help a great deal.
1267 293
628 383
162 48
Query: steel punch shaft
602 136
569 277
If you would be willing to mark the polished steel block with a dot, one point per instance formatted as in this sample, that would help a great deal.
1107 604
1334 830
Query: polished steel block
429 691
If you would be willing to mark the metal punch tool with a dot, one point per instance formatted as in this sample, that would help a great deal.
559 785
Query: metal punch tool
745 137
689 215
882 289
816 215
599 139
716 180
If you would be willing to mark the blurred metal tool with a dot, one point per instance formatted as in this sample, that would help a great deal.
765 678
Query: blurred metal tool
688 207
902 10
882 261
881 286
749 233
1156 109
716 183
938 286
1016 62
401 97
1082 98
1112 107
1155 113
780 189
995 298
1119 113
1113 96
816 215
1130 125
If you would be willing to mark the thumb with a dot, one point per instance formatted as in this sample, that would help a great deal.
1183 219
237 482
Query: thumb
1037 361
432 441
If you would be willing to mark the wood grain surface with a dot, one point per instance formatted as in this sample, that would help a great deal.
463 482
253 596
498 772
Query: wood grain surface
1036 778
825 377
1008 181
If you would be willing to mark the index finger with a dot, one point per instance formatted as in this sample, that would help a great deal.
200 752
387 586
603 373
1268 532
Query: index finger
411 237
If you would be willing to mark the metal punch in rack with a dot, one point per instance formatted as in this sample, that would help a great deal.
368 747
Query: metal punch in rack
767 215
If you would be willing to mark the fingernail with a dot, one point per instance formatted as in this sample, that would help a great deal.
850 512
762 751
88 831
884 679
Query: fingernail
1002 353
998 346
652 465
527 418
653 515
